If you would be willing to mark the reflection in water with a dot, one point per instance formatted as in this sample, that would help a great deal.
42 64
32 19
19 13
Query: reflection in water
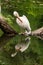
21 46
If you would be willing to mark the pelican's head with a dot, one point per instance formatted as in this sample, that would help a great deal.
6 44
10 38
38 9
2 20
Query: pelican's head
15 13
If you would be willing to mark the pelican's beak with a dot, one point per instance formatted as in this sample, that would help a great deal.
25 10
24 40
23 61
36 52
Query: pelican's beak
19 18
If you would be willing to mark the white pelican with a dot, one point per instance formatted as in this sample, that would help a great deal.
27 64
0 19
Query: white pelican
21 47
23 22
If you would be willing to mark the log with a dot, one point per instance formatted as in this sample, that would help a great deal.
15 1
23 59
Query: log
38 33
6 28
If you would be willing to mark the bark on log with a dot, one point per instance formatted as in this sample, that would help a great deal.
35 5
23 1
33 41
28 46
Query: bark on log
6 28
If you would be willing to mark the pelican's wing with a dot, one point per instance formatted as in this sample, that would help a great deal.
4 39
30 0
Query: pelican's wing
25 18
27 22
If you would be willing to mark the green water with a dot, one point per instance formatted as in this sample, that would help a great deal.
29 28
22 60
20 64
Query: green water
34 12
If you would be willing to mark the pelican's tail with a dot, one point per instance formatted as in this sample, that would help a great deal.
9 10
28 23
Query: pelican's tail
14 54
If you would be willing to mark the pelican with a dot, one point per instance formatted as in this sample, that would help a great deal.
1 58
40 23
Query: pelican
21 47
23 22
